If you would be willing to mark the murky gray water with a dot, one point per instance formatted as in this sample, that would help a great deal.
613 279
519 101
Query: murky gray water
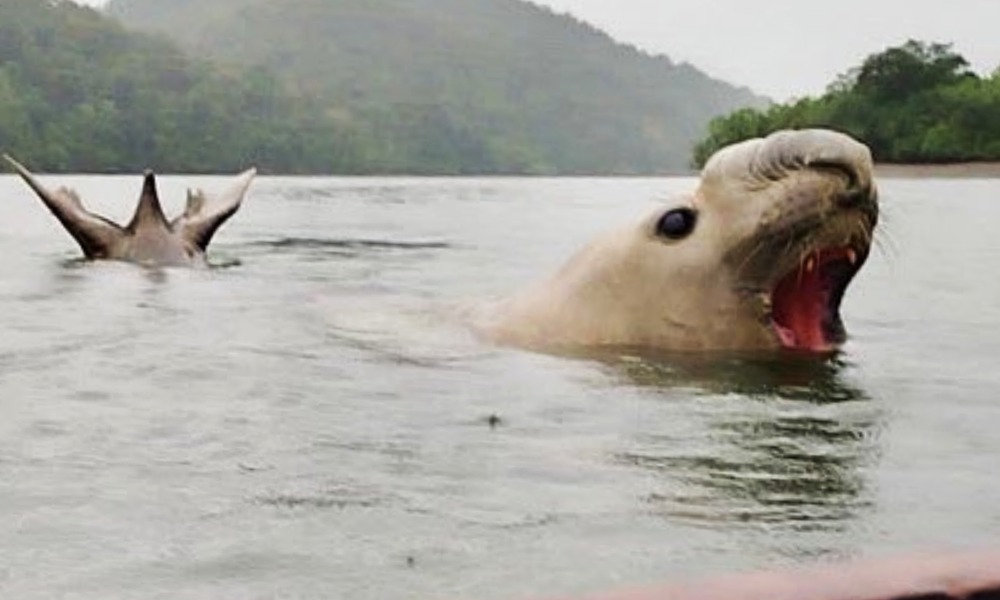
308 422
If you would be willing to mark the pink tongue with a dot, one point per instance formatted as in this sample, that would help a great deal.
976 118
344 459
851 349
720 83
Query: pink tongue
799 306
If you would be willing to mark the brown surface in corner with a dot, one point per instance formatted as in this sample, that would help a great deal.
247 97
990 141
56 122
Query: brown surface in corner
963 576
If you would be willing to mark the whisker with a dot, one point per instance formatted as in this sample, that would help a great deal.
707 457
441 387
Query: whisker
749 257
886 245
882 236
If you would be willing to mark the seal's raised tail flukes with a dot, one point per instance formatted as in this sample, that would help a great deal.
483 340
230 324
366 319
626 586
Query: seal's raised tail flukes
98 237
149 238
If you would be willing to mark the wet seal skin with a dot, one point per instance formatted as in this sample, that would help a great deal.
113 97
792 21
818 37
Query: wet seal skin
149 239
758 257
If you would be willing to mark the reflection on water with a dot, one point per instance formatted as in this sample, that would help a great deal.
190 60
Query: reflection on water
786 441
306 244
789 376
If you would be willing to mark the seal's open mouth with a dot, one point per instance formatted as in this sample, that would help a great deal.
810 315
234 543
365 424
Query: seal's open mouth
805 303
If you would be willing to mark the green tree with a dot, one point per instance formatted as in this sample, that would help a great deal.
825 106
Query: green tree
897 74
78 92
918 102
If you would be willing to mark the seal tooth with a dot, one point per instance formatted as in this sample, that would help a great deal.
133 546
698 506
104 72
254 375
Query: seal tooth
765 300
810 264
852 256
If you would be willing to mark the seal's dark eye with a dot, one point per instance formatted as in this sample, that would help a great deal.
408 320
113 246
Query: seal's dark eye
677 224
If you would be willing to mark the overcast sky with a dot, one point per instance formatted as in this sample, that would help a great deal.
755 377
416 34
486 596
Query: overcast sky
788 48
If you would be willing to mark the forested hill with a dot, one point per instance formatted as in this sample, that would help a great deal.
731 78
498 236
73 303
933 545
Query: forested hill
461 86
80 93
915 103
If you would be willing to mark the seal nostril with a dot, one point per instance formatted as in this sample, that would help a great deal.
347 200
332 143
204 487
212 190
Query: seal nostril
856 194
860 200
853 198
841 169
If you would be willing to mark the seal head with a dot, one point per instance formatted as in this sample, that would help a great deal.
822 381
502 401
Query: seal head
758 257
812 212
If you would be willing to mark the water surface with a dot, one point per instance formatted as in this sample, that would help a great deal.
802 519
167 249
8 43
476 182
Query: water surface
308 421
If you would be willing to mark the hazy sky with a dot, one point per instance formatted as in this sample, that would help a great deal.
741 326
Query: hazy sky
785 48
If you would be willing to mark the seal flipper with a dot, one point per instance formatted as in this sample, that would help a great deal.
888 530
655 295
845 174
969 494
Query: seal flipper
96 235
203 215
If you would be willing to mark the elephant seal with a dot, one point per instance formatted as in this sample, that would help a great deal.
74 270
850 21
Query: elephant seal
758 257
149 239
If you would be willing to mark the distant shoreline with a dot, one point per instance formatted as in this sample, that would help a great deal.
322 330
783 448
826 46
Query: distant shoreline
985 170
971 170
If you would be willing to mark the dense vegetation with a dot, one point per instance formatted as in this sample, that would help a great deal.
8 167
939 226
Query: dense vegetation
78 92
460 86
918 102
